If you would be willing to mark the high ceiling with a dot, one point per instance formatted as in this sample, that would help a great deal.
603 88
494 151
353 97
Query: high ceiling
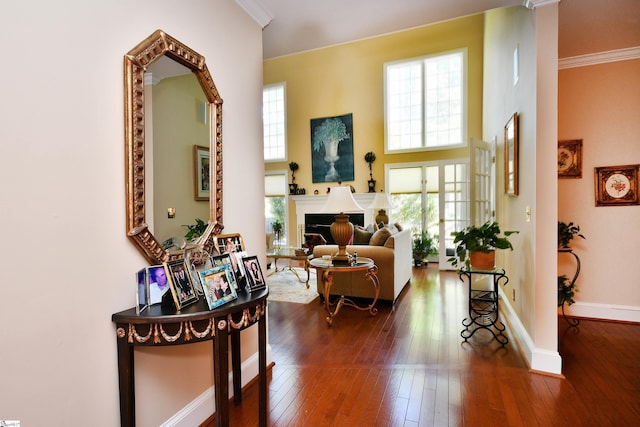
300 25
585 26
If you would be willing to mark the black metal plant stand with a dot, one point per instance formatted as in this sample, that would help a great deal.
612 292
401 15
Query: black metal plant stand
573 322
483 303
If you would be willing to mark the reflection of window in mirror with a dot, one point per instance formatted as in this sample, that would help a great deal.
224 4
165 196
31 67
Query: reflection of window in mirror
176 119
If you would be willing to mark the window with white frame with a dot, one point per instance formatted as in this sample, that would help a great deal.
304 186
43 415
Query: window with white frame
273 122
425 102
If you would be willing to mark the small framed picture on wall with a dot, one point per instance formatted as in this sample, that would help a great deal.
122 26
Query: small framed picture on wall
570 158
616 185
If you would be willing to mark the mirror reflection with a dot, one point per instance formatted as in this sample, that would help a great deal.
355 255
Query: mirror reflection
176 113
166 116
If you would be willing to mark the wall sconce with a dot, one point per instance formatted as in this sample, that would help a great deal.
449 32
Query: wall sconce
171 212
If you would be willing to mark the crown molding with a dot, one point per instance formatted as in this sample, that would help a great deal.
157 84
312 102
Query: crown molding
257 11
532 4
599 58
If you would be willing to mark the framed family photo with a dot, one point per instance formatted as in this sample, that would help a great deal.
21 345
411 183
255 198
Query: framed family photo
511 156
616 185
229 261
228 243
255 278
180 283
217 284
142 294
202 174
570 158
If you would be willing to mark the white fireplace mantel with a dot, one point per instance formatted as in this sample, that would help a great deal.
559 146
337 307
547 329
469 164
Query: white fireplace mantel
313 204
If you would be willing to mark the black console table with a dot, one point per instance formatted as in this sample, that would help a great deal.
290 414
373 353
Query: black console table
483 303
158 326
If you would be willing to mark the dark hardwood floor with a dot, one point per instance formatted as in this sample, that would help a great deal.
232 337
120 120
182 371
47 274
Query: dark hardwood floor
408 366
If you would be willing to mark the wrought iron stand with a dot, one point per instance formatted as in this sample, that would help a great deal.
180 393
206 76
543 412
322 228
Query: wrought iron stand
483 303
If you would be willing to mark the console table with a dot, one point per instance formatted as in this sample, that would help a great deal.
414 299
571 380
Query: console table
483 303
326 267
158 326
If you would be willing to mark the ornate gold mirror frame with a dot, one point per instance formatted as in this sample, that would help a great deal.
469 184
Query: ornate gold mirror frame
136 62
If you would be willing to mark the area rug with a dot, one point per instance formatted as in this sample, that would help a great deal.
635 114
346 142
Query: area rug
285 286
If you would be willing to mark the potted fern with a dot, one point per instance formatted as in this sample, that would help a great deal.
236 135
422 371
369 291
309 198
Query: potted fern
476 245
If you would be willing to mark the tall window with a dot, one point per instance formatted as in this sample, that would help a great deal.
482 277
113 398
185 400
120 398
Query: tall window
425 102
273 121
275 212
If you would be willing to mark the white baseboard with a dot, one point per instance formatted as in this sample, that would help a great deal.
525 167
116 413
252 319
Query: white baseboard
621 313
201 408
540 360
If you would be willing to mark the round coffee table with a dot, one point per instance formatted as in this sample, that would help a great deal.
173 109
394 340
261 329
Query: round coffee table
327 268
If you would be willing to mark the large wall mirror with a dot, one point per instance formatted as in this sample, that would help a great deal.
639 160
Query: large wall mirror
173 114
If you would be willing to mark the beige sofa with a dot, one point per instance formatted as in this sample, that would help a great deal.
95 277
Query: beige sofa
394 262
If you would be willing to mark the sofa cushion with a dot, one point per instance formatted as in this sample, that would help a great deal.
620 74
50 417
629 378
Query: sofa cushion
380 237
361 236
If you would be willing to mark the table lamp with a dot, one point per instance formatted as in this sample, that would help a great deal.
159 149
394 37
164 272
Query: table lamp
381 201
341 200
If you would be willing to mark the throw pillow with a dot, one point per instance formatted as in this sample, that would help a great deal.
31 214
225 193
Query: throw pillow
380 237
361 237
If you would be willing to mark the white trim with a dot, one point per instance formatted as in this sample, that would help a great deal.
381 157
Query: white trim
257 11
599 58
532 4
621 313
540 360
203 406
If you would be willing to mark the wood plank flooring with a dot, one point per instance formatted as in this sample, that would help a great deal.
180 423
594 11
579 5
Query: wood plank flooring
408 366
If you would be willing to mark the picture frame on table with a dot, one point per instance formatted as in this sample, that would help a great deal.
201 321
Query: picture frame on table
180 283
142 292
202 173
253 273
570 158
226 260
616 185
227 243
158 283
511 156
218 287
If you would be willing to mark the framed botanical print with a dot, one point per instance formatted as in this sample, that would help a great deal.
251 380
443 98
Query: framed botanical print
616 185
570 158
201 167
511 156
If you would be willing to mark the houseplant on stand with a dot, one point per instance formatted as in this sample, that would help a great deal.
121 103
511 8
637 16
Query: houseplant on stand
370 157
423 246
476 245
567 287
293 187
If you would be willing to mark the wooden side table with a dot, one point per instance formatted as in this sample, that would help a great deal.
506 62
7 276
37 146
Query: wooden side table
326 267
195 323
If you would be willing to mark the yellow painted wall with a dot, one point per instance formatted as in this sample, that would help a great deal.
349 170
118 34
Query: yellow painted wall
348 78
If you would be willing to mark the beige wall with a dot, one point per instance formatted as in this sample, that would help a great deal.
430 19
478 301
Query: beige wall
68 264
599 104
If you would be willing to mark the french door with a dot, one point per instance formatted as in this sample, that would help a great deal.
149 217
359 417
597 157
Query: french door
431 196
444 196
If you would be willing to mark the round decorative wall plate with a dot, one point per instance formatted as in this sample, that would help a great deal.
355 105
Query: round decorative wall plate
617 185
